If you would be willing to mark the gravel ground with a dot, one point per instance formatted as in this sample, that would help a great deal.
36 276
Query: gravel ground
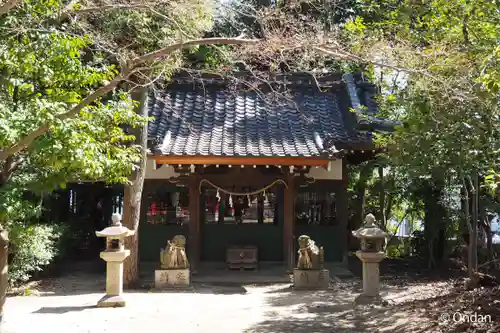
68 305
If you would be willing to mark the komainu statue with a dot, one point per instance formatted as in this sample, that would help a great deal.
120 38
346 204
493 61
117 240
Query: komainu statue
174 254
310 256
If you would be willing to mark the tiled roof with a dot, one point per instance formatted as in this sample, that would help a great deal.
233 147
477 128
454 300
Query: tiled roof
214 121
364 94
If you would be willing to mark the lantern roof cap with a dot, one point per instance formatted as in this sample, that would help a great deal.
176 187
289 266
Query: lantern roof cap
369 230
116 229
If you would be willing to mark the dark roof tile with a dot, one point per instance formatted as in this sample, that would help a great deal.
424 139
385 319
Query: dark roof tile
216 122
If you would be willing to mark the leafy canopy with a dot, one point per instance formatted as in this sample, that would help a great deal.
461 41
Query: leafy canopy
439 76
53 54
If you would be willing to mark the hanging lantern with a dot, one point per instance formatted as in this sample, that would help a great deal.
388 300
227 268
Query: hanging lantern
153 209
175 198
216 213
331 198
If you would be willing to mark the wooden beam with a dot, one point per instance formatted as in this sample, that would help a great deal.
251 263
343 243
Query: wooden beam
289 221
342 209
241 160
357 146
194 222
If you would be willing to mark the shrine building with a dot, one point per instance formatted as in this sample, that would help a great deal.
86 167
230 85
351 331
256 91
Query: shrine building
230 166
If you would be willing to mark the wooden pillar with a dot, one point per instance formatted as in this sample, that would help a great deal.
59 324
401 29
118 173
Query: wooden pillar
194 238
342 210
289 221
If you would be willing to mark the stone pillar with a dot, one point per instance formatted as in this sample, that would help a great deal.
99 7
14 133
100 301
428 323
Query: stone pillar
114 279
371 276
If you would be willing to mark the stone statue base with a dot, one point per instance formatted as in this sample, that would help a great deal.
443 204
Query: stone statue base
172 278
111 302
311 278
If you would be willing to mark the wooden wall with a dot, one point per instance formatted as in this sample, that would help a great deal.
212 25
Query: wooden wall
208 242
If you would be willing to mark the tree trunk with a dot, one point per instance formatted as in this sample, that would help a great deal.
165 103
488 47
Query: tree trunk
471 223
474 220
390 196
434 222
133 194
360 190
382 203
466 206
489 237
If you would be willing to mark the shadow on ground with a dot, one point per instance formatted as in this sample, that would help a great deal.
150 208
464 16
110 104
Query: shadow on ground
330 311
63 309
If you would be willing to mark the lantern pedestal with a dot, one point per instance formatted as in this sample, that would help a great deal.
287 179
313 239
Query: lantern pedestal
371 277
114 278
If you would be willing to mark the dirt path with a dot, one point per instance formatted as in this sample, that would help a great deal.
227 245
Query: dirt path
67 305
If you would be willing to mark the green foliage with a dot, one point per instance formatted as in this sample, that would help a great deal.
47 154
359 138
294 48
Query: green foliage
33 246
437 63
48 65
442 83
53 55
138 30
399 249
46 70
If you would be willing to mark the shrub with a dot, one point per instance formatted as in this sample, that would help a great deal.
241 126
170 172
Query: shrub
397 249
32 247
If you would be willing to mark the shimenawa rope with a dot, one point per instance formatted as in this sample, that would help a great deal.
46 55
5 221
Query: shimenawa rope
264 189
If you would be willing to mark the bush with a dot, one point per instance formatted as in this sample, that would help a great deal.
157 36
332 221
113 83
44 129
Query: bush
32 247
398 249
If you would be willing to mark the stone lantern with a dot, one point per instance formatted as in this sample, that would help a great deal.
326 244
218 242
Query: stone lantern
114 255
372 241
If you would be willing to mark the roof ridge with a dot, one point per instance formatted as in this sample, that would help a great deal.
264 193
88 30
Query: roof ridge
301 78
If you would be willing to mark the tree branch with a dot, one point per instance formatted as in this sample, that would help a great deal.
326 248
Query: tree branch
149 6
203 41
28 139
25 141
109 7
10 165
349 56
342 54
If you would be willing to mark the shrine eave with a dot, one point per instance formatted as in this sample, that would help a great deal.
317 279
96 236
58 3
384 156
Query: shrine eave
240 160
